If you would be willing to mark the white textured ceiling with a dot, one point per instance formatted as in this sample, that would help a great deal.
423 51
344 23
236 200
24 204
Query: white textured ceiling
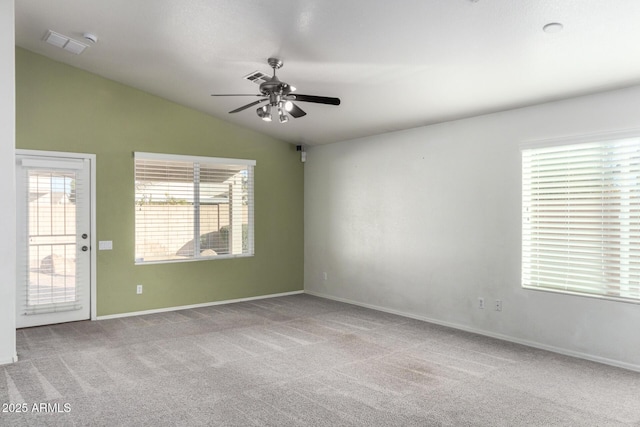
394 65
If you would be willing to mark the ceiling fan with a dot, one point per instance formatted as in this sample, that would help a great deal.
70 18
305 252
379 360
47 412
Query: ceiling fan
279 97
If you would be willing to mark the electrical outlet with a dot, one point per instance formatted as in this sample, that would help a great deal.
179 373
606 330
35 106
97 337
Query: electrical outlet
139 289
481 303
498 305
325 276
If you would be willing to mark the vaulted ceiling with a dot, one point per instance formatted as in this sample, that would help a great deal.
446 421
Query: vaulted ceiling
394 65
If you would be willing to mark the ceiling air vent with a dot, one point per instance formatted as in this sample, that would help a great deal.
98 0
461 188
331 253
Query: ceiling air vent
257 77
64 42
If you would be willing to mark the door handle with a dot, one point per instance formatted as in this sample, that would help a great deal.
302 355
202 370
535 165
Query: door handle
85 248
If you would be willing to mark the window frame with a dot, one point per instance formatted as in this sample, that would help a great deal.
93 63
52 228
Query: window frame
196 161
602 138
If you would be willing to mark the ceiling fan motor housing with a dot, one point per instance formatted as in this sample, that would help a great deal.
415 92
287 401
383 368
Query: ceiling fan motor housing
275 90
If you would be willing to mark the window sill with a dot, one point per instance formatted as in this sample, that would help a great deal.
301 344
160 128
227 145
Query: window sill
585 295
180 260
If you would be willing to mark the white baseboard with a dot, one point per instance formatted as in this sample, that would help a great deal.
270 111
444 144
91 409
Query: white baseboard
14 359
186 307
541 346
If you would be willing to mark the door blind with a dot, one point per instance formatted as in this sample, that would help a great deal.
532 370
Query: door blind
48 255
581 218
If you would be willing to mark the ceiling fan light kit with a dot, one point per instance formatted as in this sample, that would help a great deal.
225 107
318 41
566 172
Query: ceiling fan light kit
264 113
279 96
282 114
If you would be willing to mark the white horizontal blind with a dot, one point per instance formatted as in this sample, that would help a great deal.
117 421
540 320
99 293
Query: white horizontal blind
52 272
192 207
581 218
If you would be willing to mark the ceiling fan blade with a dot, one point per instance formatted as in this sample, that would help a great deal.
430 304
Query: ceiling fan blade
244 107
316 99
236 94
296 111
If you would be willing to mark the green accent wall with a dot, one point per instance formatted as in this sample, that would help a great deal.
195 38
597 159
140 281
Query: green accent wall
62 108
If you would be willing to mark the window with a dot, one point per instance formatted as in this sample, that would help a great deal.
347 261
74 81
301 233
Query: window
581 218
190 208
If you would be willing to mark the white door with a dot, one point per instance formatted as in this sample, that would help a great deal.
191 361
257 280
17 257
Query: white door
54 242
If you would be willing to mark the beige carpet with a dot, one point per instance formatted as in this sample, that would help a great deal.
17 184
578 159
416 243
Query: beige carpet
300 361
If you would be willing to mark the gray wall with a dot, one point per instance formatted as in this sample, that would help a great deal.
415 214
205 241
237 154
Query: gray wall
422 222
7 185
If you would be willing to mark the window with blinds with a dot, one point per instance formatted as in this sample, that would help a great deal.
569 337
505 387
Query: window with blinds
581 218
190 208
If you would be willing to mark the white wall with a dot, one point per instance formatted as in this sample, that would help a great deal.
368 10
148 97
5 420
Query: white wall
7 186
424 221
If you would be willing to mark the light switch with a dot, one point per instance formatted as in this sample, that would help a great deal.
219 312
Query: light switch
105 245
